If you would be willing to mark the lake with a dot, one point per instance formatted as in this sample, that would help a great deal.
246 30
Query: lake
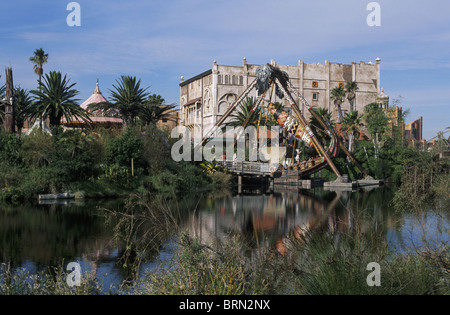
36 237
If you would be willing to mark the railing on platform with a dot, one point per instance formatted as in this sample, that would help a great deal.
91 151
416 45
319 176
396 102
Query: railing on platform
251 168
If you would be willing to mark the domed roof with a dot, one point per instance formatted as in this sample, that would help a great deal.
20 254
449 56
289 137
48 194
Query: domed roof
97 117
96 97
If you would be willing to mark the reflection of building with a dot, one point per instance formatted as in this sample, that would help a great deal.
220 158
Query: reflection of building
206 97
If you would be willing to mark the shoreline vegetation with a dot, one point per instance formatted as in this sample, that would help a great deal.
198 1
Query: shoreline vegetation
97 163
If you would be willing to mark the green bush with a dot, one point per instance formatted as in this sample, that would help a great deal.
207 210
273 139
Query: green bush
10 148
122 149
39 181
10 195
115 173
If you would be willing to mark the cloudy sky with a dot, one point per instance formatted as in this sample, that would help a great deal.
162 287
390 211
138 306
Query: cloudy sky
160 41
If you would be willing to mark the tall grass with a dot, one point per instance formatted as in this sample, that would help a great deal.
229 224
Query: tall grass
53 282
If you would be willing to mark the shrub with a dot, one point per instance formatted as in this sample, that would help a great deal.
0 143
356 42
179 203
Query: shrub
122 149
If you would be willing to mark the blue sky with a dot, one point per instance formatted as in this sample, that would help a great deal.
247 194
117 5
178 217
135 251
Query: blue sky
160 41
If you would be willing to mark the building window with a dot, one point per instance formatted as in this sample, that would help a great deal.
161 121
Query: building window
220 79
241 80
315 84
315 96
227 79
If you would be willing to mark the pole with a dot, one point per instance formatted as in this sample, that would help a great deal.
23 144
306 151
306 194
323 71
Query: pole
132 167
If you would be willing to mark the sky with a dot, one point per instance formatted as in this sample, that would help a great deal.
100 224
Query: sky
160 41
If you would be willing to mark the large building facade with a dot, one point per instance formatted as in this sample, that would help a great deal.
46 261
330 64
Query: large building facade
206 97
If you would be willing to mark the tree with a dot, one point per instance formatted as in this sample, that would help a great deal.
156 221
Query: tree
351 126
351 87
39 58
155 109
128 97
245 115
376 123
55 99
337 94
23 103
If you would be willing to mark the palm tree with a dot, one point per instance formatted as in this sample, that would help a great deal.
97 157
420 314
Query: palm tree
23 103
351 87
337 94
211 167
351 126
55 99
128 97
39 58
244 114
154 110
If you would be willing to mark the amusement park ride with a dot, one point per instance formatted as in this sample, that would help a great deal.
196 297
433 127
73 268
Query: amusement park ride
269 77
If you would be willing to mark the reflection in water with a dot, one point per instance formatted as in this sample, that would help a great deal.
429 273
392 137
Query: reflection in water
267 220
36 237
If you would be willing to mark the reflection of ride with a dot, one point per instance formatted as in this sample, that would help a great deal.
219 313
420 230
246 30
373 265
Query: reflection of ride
262 220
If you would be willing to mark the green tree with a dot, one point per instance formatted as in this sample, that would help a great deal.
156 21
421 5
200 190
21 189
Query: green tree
337 95
23 103
73 158
39 58
350 88
155 109
245 114
128 97
56 99
376 123
122 149
351 126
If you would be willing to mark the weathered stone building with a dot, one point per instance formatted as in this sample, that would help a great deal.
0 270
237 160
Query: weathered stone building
205 97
